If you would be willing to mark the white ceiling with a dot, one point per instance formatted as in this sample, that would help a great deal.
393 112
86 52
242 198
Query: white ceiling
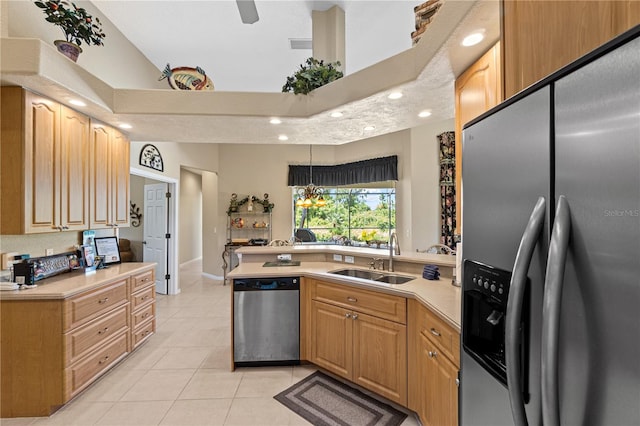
255 57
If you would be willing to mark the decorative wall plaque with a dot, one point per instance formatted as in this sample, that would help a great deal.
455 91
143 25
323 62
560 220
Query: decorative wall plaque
150 157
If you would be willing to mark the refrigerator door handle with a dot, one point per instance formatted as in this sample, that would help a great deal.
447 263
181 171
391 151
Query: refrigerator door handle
558 248
514 311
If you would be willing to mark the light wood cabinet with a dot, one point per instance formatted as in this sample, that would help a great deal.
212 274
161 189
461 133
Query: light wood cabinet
109 177
143 307
540 37
477 90
44 165
52 349
434 357
352 336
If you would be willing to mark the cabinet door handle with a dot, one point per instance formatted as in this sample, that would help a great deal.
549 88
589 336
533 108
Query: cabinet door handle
105 300
432 354
435 332
103 360
146 314
351 299
347 315
355 316
104 330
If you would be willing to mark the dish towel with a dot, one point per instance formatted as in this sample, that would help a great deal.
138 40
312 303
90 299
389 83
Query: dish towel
431 272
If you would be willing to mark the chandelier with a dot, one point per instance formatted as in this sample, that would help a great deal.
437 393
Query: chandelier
310 195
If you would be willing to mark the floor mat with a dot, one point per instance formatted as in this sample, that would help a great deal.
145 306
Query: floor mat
325 401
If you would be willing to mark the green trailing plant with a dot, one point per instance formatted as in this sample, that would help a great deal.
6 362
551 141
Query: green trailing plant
312 74
78 25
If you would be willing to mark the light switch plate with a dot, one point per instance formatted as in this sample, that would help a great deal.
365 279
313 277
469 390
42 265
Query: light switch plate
284 256
337 258
349 259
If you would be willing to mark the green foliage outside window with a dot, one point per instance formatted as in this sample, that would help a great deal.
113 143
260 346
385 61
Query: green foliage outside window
363 216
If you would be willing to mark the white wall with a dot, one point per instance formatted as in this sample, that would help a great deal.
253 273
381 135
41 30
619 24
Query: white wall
212 240
190 226
118 63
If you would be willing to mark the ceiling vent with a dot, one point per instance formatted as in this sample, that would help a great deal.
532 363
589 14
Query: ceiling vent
300 43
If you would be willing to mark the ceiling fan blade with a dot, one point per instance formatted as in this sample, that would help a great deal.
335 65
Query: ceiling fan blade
248 11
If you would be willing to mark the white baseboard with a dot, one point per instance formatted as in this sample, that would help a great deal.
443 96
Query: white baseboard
213 277
197 259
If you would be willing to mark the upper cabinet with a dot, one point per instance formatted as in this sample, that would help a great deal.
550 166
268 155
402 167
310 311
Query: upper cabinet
45 174
58 168
109 182
540 37
477 90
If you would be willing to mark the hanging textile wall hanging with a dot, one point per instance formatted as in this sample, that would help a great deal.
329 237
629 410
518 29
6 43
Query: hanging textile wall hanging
447 142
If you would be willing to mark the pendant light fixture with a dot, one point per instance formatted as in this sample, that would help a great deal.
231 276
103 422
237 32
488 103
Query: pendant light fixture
310 195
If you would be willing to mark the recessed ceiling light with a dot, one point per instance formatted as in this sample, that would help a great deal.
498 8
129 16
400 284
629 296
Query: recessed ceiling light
125 126
425 113
336 114
473 38
369 128
275 120
283 137
395 95
77 102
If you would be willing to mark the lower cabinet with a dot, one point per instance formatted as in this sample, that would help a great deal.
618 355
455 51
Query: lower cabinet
361 347
53 349
434 357
143 307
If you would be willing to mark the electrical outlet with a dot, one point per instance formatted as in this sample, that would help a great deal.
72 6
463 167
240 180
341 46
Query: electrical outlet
48 252
284 256
337 258
349 259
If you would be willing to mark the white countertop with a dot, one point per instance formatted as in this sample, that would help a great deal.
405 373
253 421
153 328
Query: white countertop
413 257
440 296
66 285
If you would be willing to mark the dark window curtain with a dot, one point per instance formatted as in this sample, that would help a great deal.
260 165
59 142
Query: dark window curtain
365 171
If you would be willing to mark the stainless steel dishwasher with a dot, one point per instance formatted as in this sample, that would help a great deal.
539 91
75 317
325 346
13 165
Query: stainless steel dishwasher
266 321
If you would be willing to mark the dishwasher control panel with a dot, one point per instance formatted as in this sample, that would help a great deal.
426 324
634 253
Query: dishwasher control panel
280 283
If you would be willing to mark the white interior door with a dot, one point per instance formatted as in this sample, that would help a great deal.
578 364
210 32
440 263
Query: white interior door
155 230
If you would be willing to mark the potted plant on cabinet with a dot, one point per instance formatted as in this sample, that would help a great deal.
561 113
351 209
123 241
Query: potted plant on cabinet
312 74
78 26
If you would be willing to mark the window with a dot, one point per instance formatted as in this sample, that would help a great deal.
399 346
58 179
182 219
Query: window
359 216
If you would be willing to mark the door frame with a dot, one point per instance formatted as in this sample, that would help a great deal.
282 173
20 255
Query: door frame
172 246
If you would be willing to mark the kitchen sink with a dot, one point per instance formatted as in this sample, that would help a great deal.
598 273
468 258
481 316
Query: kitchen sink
382 277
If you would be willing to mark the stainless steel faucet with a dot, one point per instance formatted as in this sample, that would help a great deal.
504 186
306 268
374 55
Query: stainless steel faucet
393 238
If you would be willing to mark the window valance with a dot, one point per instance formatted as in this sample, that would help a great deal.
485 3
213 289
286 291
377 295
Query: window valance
365 171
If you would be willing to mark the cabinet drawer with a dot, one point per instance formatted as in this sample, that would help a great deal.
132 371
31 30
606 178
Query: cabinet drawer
94 334
85 371
439 332
143 315
142 280
381 305
142 298
143 332
87 306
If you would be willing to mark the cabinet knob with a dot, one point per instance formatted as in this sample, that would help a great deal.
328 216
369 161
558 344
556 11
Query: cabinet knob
347 315
432 354
355 316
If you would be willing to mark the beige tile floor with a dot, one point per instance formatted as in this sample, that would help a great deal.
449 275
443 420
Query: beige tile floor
182 376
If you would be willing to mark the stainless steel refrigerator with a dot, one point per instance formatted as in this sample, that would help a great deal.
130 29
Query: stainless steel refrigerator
551 236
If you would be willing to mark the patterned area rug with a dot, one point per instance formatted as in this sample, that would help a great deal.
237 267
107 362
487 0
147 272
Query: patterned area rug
324 401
